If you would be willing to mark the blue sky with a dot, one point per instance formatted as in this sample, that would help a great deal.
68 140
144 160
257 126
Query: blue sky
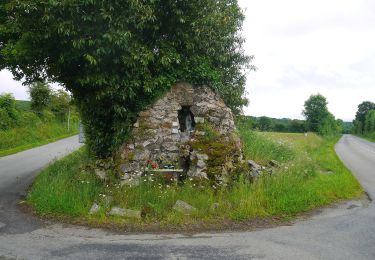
301 47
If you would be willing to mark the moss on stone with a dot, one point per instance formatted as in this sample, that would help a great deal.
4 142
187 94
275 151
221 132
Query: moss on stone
221 151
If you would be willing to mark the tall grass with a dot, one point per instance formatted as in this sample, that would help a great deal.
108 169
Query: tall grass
310 176
370 136
60 191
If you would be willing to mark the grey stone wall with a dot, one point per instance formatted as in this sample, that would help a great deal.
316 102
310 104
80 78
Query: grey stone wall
157 137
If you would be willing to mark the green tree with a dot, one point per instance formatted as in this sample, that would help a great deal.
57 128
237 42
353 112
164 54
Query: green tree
280 127
340 126
60 103
265 124
8 111
40 94
370 122
357 127
316 113
360 117
116 57
297 126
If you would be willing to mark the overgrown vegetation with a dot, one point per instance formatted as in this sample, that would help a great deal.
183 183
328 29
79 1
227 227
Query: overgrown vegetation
310 175
116 57
22 127
364 123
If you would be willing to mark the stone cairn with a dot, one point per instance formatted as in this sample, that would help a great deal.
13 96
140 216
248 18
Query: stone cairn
161 135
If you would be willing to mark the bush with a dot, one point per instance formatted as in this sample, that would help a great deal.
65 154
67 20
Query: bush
40 94
8 111
28 119
5 121
48 116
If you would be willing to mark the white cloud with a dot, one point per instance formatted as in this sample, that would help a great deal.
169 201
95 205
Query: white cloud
307 47
8 85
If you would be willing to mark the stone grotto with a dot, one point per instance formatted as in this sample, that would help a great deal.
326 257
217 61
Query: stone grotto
188 133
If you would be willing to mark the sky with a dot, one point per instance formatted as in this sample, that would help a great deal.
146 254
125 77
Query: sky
301 47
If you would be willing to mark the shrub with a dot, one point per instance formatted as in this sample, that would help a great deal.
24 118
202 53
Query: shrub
28 119
8 111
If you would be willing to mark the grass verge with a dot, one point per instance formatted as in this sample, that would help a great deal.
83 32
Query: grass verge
23 138
370 137
310 176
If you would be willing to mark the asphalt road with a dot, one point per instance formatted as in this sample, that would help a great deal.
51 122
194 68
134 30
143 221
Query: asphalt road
342 232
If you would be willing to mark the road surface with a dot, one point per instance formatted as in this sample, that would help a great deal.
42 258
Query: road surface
341 232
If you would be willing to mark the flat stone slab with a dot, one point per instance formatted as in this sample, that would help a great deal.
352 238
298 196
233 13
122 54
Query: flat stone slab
94 209
128 213
183 207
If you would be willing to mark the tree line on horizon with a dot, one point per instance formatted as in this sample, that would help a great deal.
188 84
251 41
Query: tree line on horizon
318 120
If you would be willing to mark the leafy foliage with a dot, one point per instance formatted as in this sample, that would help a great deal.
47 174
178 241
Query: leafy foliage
116 57
318 118
40 94
316 112
60 103
265 123
360 119
370 122
22 128
8 111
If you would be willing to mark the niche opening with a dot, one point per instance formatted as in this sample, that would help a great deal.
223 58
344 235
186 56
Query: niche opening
186 119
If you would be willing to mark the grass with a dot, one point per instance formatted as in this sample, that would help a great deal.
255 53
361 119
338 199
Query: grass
370 136
22 138
310 176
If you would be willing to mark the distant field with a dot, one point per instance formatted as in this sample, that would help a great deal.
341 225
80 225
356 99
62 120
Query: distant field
23 105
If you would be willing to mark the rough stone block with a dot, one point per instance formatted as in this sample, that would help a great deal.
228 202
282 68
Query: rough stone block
127 213
94 209
184 208
101 174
